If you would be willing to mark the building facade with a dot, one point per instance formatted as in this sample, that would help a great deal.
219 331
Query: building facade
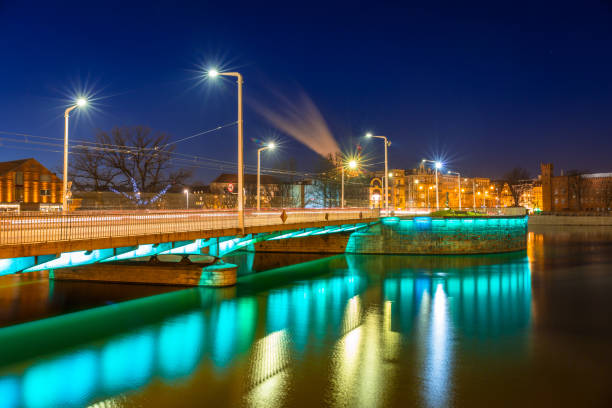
575 191
416 188
28 185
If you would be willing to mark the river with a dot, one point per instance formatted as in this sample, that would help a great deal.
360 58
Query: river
527 328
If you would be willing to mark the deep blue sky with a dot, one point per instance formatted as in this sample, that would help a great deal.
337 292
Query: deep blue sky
489 86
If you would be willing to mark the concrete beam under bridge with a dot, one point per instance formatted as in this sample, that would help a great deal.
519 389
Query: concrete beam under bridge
215 247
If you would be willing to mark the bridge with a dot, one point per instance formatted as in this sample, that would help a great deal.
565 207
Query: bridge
37 241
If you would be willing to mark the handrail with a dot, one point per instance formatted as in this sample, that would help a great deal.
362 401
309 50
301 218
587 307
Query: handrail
38 227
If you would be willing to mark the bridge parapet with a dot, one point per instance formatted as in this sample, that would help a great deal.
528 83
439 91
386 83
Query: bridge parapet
35 233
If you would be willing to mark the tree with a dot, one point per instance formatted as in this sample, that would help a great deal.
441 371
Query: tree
606 194
514 178
128 156
89 172
288 196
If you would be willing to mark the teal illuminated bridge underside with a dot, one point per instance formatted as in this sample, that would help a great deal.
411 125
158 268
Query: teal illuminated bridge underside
387 235
215 247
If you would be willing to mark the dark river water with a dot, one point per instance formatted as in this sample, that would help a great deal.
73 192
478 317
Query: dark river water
532 328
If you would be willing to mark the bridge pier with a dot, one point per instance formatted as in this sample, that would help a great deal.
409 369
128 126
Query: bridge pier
175 272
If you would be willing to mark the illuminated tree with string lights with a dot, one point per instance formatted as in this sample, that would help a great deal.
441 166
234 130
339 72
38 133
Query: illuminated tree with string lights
127 159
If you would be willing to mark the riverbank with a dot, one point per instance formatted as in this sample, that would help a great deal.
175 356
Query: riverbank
579 220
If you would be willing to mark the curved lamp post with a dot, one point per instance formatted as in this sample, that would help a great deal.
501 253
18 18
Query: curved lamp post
459 184
79 103
213 73
437 166
352 164
387 143
261 149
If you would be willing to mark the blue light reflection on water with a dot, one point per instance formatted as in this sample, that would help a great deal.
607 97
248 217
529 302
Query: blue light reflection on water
477 301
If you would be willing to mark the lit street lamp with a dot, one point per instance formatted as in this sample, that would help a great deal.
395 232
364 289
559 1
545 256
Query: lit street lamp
261 149
79 103
437 166
352 164
212 73
387 143
186 191
459 184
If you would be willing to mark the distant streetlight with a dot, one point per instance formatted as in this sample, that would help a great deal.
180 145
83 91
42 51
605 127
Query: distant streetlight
459 183
437 165
261 149
213 73
186 191
81 102
387 143
352 164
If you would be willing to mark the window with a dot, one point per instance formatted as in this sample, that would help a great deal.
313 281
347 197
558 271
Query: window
45 177
19 178
45 192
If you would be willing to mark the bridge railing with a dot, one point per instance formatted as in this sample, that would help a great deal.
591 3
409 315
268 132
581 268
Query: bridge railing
36 227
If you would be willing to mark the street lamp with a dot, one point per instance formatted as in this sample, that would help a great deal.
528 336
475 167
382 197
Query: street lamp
186 191
352 164
81 102
261 149
437 165
213 73
387 143
459 183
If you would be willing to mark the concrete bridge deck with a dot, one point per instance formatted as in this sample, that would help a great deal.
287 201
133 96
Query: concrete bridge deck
33 234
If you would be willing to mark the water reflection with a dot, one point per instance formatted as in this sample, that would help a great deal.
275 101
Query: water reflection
367 317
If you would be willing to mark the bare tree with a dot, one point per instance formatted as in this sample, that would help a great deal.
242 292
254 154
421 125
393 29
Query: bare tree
514 178
606 194
129 156
576 188
89 172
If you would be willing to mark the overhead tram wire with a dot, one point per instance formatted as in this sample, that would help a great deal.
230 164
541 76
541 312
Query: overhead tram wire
187 160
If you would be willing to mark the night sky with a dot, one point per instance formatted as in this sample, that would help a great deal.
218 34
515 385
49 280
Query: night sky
484 86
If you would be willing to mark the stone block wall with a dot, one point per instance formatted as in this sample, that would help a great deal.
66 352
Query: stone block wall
416 235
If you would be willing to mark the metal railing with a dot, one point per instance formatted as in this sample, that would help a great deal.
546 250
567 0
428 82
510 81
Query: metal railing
36 227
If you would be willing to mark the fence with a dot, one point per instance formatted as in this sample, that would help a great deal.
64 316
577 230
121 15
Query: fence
37 227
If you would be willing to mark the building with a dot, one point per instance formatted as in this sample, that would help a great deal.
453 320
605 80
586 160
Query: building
225 186
416 188
397 190
575 191
28 185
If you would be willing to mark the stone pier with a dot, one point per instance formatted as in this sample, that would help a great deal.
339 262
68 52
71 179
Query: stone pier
219 274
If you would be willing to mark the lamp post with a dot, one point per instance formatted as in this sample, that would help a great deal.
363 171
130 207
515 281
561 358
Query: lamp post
474 193
387 143
437 166
212 74
79 103
261 149
459 184
186 191
352 164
